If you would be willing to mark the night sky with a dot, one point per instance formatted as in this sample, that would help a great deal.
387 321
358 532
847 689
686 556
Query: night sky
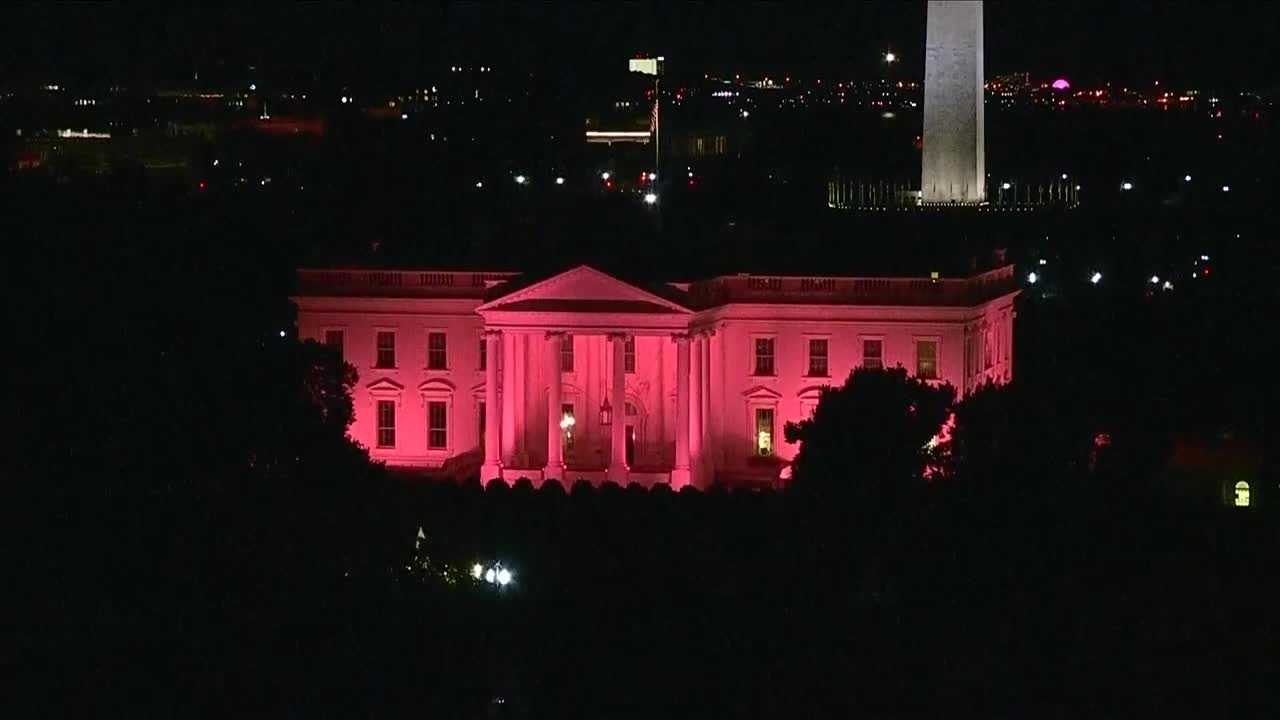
1180 42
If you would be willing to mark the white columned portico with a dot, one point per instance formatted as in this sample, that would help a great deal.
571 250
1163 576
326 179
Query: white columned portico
695 407
492 467
555 460
680 473
508 399
618 399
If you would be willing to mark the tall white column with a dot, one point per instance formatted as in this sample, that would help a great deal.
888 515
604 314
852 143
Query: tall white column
618 399
508 398
521 397
492 467
555 455
704 442
680 473
695 408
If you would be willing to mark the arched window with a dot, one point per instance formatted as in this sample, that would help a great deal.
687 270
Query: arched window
1242 494
631 410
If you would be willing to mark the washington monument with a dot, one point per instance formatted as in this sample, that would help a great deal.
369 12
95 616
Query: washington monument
953 169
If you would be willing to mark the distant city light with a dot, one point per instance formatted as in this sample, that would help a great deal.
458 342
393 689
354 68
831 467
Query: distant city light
1095 278
1044 261
1155 279
650 198
1226 188
404 116
1064 176
1186 178
490 575
1126 185
1005 186
252 87
653 177
477 571
1205 258
746 113
215 162
1032 277
504 577
479 184
345 99
604 176
890 57
281 333
1061 84
520 179
559 180
1167 285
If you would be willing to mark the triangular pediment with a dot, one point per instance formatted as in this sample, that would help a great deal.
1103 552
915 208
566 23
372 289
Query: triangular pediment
584 289
760 392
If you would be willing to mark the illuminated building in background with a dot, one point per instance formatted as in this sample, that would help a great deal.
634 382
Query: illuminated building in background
581 375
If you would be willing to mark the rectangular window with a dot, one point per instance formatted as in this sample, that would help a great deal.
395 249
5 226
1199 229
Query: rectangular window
437 425
333 339
566 353
386 424
437 351
568 422
480 410
484 353
629 356
818 357
927 359
873 354
386 349
764 431
764 356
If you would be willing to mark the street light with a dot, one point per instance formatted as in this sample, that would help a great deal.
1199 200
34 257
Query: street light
890 57
1032 277
520 179
1126 185
1095 278
650 198
559 180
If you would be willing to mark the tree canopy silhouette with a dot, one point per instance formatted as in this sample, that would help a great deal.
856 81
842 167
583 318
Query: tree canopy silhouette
869 439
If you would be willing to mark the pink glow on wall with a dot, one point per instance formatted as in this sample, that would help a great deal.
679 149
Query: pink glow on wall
755 357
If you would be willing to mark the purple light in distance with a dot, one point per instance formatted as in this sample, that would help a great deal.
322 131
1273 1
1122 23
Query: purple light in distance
1061 84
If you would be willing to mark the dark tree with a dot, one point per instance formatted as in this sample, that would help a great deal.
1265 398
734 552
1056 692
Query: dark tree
868 440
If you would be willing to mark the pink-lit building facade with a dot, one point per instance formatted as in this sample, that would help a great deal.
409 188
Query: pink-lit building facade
582 375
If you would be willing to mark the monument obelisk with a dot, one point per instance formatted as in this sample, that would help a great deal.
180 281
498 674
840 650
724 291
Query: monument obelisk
953 169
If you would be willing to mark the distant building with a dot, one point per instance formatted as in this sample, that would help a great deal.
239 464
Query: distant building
583 375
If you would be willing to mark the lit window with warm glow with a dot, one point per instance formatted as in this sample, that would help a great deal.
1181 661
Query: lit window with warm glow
386 357
568 423
927 359
386 424
764 431
1241 498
